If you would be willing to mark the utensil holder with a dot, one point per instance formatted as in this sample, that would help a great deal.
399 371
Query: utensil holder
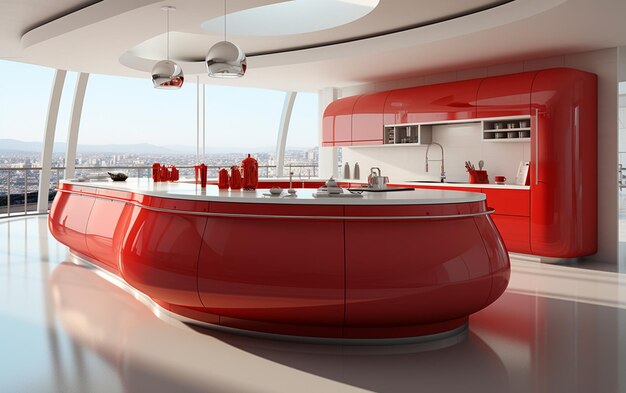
478 177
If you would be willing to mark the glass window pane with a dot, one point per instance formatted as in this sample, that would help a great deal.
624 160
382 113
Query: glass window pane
303 138
23 106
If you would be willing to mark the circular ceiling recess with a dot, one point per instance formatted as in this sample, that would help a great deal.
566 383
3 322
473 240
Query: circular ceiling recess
291 17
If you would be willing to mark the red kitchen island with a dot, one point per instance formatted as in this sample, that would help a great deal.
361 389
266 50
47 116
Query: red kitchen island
386 266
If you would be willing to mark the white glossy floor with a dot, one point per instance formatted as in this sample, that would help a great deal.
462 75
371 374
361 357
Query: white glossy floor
65 329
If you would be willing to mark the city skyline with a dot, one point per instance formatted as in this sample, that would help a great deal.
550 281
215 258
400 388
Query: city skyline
18 145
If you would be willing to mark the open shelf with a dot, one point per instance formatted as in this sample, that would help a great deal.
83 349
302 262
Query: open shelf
407 134
506 130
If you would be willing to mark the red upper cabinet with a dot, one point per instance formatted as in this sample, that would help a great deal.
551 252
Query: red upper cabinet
446 101
507 95
337 122
328 123
563 170
367 118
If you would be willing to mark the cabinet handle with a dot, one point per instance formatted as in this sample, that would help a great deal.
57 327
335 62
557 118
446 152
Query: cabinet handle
537 147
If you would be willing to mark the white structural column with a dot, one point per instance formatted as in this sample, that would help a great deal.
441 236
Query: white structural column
48 140
328 160
204 123
72 135
198 119
283 131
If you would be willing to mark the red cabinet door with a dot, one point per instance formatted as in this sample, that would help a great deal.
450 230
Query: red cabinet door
337 122
515 232
367 119
244 278
508 202
507 95
563 169
446 101
328 124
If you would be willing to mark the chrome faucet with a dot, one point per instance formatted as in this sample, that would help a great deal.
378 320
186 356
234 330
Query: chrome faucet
443 172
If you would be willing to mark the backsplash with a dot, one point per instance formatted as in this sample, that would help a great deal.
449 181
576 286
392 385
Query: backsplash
461 142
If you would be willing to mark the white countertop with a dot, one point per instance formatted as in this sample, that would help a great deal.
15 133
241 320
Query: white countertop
175 190
464 185
269 180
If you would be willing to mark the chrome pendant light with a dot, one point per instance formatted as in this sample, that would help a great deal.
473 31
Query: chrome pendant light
166 74
225 59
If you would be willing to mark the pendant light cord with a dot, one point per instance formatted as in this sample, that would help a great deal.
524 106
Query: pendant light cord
167 27
224 20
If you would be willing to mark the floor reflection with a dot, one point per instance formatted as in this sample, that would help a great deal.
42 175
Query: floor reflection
67 329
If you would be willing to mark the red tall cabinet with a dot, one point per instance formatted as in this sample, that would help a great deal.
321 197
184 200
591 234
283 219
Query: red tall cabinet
563 170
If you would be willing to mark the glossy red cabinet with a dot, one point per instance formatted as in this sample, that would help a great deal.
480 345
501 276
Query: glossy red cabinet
562 106
106 228
515 232
68 220
337 121
423 104
328 123
508 202
563 170
507 95
511 217
256 275
367 119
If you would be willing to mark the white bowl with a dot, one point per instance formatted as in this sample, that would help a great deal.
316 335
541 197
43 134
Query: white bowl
276 190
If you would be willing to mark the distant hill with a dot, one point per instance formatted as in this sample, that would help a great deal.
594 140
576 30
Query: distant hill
14 145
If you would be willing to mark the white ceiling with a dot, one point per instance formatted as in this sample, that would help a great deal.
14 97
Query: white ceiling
126 37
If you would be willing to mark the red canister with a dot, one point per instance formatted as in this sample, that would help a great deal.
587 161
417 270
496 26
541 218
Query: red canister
156 171
250 173
222 179
165 173
203 175
174 176
235 178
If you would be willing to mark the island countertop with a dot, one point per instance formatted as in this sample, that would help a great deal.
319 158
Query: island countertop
193 192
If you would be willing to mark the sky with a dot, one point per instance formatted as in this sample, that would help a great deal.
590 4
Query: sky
130 110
